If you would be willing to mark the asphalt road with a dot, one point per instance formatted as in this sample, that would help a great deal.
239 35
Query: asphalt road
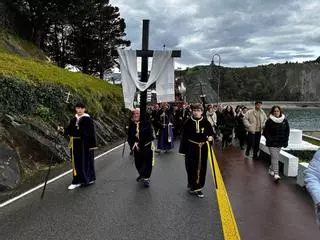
116 207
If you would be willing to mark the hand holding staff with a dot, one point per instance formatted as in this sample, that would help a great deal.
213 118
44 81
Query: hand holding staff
50 164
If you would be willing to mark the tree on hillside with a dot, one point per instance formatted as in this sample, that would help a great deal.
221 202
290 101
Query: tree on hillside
57 43
82 33
95 29
32 18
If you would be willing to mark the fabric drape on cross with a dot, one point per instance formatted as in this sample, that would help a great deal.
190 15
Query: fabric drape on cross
162 72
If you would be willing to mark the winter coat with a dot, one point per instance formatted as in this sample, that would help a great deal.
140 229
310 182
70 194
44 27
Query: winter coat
276 131
228 123
212 118
239 123
312 177
250 120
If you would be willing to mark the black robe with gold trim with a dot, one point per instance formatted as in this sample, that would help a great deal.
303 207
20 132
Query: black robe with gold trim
82 144
193 145
143 155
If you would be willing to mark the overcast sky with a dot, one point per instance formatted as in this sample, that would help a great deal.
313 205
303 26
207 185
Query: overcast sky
243 32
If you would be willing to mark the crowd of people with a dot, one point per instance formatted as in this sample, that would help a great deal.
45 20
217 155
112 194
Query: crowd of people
194 124
230 125
198 127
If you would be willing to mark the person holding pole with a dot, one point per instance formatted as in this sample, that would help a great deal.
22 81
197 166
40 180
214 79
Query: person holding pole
82 145
197 131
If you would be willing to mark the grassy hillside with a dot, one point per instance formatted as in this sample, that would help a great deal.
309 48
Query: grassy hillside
98 94
11 43
20 60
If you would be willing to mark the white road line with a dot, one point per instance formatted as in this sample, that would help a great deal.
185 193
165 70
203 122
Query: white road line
51 180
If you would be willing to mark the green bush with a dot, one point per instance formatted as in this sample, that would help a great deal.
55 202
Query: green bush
304 156
43 112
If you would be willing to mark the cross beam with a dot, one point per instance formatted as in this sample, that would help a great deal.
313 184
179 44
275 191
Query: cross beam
149 53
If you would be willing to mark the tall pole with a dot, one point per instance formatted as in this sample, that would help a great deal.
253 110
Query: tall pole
202 96
144 67
212 62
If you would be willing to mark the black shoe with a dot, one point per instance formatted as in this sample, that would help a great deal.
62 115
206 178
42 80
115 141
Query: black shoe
199 194
139 179
146 182
255 157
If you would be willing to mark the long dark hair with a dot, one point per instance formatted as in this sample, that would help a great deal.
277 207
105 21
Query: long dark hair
230 112
273 108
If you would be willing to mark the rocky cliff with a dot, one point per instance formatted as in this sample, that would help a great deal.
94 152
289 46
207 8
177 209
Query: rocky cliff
274 82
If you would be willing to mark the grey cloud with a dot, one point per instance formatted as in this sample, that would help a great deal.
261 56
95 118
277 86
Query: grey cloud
243 32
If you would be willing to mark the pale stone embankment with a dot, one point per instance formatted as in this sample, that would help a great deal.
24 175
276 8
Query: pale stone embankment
269 104
313 133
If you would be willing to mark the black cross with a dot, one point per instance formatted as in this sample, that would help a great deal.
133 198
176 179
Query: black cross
144 53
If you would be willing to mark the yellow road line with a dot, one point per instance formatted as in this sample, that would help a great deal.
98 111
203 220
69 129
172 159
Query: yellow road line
229 225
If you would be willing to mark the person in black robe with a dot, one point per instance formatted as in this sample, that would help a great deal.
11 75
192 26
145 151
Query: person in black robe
227 126
165 137
240 127
196 132
82 145
185 113
142 146
156 119
177 121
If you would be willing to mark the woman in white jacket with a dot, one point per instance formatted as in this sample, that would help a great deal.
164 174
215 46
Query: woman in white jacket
312 181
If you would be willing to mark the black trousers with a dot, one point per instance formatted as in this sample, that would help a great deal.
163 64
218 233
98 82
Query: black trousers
254 142
242 135
143 161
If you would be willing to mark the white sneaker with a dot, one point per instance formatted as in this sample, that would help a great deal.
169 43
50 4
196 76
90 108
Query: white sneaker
276 177
73 186
271 172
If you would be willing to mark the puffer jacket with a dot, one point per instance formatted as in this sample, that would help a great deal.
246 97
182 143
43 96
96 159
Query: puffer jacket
250 120
276 131
312 177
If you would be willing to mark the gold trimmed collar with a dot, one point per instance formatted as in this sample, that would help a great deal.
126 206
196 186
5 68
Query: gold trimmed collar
197 123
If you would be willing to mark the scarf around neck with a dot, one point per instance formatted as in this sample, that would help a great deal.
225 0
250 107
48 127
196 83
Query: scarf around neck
277 120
